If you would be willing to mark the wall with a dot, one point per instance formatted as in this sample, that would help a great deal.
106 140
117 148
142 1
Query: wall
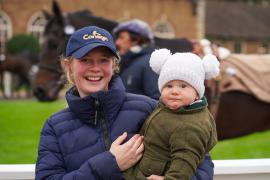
177 12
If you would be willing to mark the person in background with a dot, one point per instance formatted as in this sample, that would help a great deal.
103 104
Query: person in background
135 42
95 136
181 130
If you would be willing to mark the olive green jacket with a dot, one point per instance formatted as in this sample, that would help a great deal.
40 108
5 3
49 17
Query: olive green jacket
175 142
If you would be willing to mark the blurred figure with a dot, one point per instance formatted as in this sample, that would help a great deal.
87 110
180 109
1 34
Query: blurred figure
201 47
204 46
134 41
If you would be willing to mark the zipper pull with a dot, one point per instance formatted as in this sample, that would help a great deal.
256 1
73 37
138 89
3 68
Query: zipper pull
96 111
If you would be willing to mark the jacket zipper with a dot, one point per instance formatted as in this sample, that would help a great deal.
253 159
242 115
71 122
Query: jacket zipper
99 118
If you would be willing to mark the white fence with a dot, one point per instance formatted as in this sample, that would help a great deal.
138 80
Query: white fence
245 169
21 172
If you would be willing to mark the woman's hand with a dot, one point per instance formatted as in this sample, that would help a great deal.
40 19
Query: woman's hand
129 153
155 177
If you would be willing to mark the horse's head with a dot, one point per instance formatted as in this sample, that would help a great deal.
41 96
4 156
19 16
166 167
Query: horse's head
48 80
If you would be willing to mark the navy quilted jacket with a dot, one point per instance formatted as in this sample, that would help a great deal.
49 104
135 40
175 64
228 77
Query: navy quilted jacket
137 75
74 142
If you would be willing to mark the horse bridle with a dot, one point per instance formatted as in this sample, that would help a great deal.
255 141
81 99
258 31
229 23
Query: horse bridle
62 79
68 30
50 68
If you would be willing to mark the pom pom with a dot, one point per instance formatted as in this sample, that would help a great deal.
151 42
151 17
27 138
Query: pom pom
158 59
211 66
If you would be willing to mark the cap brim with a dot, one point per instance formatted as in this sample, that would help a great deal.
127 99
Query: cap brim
87 48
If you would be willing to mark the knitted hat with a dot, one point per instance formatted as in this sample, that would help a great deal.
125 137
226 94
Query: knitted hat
187 67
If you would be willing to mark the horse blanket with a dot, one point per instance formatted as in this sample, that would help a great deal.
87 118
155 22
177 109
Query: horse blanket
248 73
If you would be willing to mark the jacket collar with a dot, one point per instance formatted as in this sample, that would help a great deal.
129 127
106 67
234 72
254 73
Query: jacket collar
110 102
131 56
194 107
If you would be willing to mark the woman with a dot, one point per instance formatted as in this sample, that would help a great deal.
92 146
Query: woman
134 41
95 136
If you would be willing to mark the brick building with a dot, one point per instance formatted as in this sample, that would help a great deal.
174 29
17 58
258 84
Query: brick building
172 18
241 26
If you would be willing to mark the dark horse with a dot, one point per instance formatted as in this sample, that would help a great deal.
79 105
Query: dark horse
55 39
238 113
20 65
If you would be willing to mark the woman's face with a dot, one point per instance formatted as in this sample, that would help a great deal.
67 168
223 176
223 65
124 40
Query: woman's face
124 42
93 72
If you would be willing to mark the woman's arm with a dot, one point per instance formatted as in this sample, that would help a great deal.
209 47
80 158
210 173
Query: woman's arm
205 170
51 164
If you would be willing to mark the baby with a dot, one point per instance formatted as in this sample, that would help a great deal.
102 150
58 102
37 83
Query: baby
181 130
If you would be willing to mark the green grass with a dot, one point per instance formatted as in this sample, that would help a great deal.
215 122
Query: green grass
20 125
256 145
21 122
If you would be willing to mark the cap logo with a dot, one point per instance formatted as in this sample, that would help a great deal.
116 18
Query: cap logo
95 35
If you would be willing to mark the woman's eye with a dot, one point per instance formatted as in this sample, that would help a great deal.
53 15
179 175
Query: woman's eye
83 60
105 60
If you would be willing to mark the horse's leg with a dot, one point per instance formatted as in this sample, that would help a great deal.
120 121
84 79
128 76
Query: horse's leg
27 85
7 79
1 84
17 86
21 83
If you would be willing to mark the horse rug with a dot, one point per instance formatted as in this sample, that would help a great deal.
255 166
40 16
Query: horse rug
247 73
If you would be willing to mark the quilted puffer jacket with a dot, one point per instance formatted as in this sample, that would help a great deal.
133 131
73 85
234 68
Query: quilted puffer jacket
75 142
137 75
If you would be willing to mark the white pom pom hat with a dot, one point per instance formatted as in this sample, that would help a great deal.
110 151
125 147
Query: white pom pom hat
187 67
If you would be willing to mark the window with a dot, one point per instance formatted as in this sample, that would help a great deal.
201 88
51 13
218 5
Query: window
163 29
125 17
239 47
5 31
36 25
264 48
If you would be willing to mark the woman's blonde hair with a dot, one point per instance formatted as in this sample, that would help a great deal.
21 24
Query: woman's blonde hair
68 72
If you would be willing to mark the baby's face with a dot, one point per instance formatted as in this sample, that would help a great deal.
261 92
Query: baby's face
177 93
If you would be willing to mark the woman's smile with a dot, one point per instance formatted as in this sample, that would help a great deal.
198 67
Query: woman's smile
94 78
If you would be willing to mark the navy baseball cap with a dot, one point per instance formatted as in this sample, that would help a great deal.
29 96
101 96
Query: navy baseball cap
84 40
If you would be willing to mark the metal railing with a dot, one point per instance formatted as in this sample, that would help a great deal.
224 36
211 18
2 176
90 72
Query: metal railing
244 169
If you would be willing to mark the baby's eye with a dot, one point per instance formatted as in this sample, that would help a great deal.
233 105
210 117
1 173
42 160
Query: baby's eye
169 86
183 85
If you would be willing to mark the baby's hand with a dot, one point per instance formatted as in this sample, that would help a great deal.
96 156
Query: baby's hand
155 177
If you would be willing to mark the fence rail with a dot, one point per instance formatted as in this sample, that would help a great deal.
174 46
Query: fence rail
245 169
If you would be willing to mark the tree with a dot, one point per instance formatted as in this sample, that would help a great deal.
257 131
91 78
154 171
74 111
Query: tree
23 43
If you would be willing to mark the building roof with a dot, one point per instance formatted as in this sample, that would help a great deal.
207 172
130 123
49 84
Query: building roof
230 20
